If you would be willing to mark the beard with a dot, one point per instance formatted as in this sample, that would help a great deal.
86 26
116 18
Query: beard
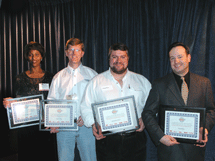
114 69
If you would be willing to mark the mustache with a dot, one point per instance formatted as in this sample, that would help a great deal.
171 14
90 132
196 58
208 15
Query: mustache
117 63
118 71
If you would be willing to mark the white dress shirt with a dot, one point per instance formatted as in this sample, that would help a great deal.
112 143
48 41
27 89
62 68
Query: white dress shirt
70 84
104 87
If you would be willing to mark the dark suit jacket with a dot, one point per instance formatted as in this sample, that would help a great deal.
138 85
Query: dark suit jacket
165 91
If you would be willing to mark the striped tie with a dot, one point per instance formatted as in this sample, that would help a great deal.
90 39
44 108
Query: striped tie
184 90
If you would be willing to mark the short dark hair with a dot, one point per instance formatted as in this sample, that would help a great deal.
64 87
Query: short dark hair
33 46
74 41
175 44
118 46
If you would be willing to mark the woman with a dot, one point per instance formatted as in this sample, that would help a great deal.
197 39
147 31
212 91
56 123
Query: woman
32 143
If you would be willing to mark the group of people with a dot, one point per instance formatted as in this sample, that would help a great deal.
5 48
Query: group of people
85 86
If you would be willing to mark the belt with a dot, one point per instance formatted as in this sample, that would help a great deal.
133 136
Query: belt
127 133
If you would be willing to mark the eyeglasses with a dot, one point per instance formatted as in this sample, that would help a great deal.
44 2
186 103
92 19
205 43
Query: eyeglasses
71 49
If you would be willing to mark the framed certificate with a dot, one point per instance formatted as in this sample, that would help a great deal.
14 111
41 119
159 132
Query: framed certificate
116 116
58 113
183 123
24 111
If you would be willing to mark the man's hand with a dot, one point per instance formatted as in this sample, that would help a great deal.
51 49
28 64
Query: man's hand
168 140
53 129
142 126
80 122
200 137
98 136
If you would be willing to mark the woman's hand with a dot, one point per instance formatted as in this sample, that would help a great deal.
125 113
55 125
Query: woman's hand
7 103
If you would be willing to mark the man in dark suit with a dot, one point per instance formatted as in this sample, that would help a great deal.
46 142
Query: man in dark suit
167 91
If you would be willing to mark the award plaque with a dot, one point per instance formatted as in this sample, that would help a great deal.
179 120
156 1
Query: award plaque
183 123
116 116
60 114
24 111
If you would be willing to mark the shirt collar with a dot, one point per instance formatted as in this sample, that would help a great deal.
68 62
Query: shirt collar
124 78
187 76
179 80
72 70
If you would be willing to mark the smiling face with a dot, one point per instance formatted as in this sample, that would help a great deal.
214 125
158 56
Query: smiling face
34 58
179 60
119 61
74 53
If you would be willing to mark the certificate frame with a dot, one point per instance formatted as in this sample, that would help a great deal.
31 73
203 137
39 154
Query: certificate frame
24 111
51 111
183 122
116 116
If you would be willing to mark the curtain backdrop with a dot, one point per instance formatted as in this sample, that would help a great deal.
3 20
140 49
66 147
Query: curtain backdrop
147 27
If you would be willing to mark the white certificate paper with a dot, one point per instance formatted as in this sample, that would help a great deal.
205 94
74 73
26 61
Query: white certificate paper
115 116
182 124
59 115
25 111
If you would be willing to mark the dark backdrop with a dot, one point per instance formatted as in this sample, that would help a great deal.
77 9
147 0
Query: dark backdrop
147 27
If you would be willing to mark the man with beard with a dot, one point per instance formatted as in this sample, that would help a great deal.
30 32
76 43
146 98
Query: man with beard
115 83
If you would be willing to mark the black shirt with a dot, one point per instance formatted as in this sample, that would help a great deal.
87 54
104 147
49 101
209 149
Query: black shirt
179 80
26 86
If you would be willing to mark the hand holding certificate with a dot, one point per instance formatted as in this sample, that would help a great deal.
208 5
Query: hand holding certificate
23 111
168 140
58 115
183 123
142 126
7 102
202 143
97 132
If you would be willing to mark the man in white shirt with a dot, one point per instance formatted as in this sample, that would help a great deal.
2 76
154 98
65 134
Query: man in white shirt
69 84
115 83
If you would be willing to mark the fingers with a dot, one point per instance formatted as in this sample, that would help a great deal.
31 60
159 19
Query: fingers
7 103
201 145
173 139
206 136
203 141
95 131
100 137
139 130
80 122
142 126
97 135
168 140
54 130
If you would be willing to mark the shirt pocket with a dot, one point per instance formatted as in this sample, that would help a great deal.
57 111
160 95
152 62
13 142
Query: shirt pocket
138 95
83 87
